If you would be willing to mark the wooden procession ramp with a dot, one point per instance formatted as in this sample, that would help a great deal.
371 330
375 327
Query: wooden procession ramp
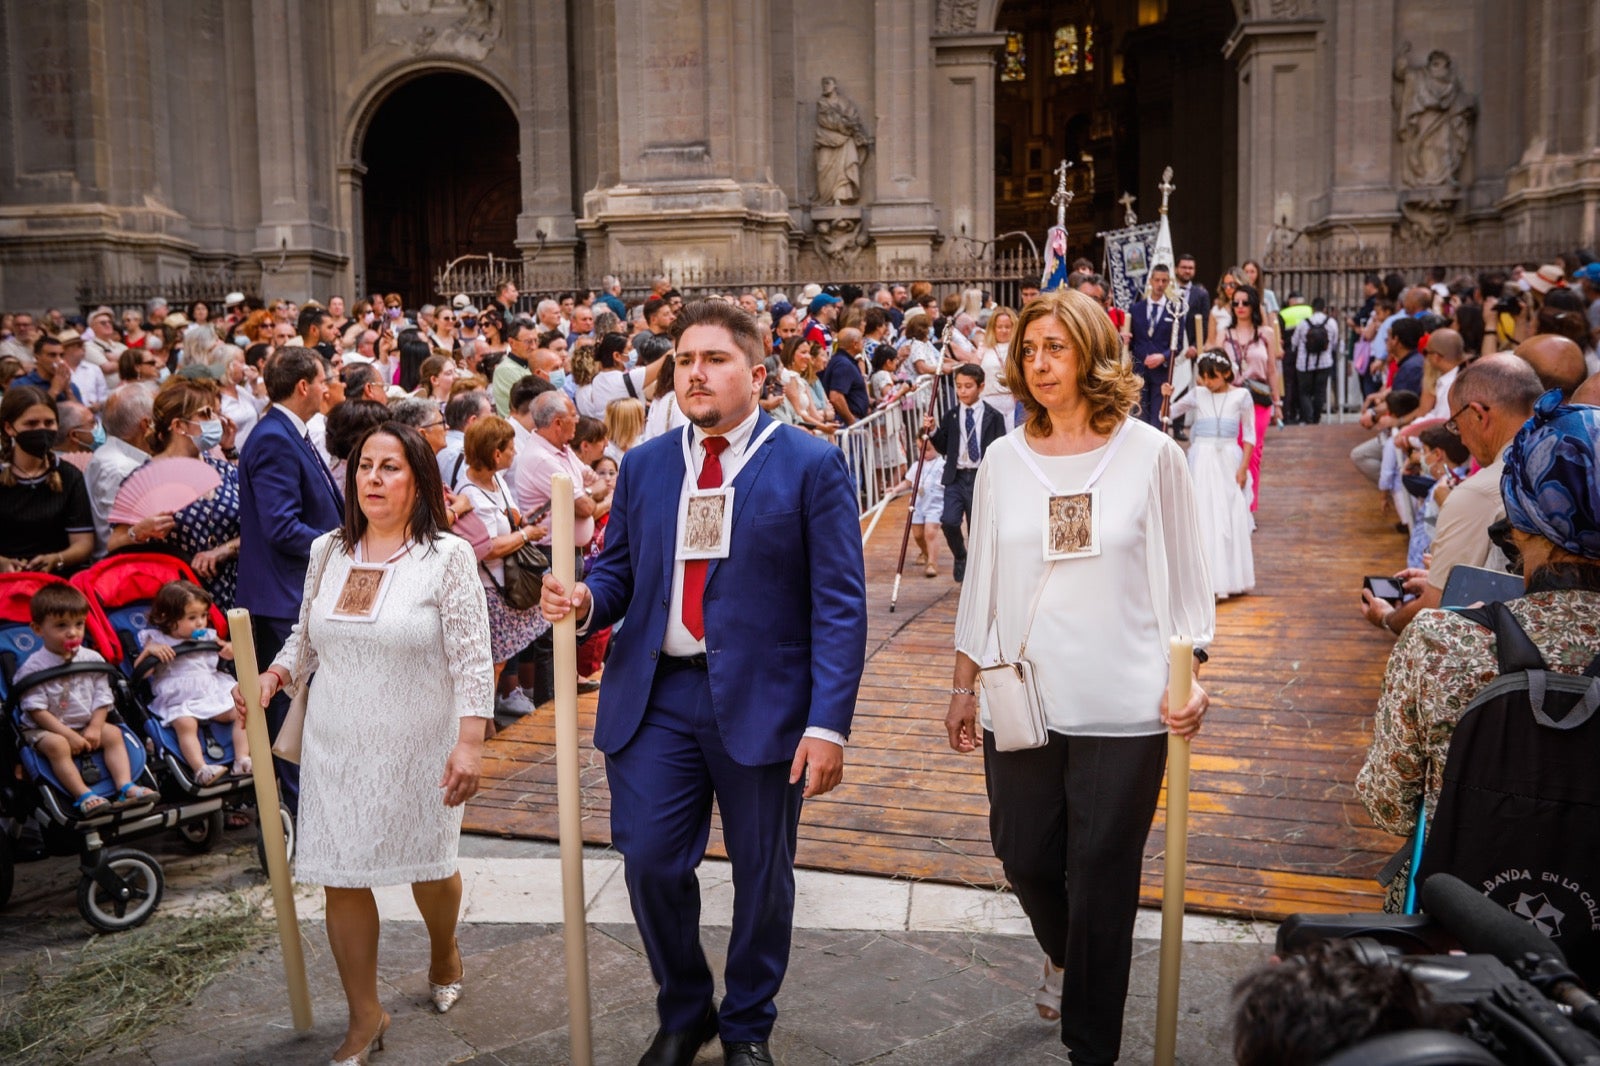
1274 823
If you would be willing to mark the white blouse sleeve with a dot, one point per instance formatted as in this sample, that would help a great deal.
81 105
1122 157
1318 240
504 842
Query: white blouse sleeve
1180 580
974 616
1186 402
321 552
1244 410
464 616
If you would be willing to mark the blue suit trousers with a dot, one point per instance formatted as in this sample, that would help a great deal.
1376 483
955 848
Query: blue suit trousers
662 784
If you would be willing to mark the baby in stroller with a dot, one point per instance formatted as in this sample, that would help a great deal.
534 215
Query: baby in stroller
65 717
188 689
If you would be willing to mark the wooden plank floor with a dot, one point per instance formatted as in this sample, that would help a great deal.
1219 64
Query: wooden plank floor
1274 825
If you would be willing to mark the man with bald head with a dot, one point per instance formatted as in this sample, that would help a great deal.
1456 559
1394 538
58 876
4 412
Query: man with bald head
1445 353
1557 360
1491 400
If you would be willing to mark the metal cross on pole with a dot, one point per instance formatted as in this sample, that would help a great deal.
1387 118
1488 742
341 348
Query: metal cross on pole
1166 188
1063 195
1129 216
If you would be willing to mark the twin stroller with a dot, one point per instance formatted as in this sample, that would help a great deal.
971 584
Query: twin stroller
120 886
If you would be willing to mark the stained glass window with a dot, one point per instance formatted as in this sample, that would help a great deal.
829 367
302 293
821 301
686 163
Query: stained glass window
1066 51
1088 47
1014 64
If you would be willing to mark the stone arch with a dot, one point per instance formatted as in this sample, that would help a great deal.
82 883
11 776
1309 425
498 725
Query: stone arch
402 229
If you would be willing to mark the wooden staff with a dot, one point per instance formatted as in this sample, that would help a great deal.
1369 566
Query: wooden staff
911 513
574 919
1179 683
255 725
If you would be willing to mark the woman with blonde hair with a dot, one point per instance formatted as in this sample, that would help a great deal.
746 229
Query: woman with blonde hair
992 357
624 426
435 378
1085 548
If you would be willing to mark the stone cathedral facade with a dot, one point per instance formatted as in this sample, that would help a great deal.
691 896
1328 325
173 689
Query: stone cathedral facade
313 146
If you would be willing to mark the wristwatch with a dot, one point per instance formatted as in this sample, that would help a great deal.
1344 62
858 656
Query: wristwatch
1200 656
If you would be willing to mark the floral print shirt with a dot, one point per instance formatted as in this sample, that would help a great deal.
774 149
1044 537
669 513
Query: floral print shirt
1440 663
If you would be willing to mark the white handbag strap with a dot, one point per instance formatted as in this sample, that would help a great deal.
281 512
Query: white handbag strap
1033 610
1026 454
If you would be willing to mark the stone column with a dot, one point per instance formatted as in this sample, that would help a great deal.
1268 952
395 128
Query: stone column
299 248
353 278
1280 164
963 138
1355 122
692 186
542 63
902 217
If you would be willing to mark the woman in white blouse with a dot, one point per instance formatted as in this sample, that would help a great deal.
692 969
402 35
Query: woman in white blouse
992 357
1097 633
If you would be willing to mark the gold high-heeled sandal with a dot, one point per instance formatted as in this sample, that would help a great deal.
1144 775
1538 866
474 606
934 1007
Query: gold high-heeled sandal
375 1044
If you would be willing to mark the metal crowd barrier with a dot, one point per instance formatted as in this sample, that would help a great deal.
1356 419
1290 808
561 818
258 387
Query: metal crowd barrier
881 446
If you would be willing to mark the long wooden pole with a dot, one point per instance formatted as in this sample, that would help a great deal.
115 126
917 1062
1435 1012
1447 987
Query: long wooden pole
575 920
911 511
1179 683
267 811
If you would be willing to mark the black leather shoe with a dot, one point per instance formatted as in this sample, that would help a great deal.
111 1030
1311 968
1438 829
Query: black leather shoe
746 1053
680 1048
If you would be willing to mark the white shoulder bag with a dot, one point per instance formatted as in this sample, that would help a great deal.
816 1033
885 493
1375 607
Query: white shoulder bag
1016 712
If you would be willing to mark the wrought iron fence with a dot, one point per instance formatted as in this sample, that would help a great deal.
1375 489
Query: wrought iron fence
881 447
209 287
1000 273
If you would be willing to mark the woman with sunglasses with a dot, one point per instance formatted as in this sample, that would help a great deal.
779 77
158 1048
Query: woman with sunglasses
1222 306
186 422
1253 346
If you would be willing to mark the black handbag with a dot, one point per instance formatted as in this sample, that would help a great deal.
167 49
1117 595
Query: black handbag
524 571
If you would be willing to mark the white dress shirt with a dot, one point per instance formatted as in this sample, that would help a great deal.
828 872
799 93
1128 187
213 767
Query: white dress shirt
91 383
678 640
112 463
964 461
1099 640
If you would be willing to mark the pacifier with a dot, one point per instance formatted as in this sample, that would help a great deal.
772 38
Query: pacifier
202 634
71 647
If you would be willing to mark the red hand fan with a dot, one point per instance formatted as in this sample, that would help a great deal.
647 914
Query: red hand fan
162 486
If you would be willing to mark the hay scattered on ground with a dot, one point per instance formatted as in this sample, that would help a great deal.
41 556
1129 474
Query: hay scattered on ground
120 988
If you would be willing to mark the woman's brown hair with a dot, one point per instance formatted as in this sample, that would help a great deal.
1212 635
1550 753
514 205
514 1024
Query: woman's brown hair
179 398
428 519
17 401
431 368
484 439
1111 388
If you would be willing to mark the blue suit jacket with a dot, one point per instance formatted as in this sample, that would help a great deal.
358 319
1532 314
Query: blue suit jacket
285 502
1145 340
785 613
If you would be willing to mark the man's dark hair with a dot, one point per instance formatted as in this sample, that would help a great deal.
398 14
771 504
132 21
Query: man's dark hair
550 335
1306 1007
970 370
428 518
287 368
463 407
653 306
1081 263
1407 332
874 319
1160 268
517 325
527 388
1402 402
1452 446
651 347
357 376
43 341
1318 304
746 335
1186 257
310 315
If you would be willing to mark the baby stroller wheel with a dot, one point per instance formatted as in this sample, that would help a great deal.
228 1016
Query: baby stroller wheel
121 891
288 838
202 834
7 869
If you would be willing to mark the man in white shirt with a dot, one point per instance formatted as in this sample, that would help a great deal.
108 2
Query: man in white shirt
90 381
1446 352
463 409
20 344
103 347
126 418
1313 342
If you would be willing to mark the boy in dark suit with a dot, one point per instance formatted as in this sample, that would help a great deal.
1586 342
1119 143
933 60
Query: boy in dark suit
962 437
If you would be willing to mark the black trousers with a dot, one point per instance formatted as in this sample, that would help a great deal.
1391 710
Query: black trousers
1291 389
958 506
271 635
1313 394
1069 822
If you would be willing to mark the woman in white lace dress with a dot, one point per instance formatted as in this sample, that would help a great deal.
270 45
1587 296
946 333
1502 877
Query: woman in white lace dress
397 635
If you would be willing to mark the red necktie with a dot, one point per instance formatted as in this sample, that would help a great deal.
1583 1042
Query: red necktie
694 570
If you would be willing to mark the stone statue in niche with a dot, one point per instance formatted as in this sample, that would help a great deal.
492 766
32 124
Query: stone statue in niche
1433 120
841 144
471 34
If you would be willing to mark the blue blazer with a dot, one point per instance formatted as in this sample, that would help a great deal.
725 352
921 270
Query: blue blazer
285 502
785 613
1146 340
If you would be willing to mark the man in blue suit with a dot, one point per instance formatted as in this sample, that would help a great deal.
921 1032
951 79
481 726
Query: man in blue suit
287 498
1150 334
735 676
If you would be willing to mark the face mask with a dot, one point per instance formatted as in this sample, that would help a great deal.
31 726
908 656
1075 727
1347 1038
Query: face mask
241 341
366 319
98 437
153 344
558 378
36 442
210 434
164 375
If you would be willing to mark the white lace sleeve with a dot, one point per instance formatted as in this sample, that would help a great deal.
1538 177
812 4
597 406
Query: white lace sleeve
464 615
320 552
